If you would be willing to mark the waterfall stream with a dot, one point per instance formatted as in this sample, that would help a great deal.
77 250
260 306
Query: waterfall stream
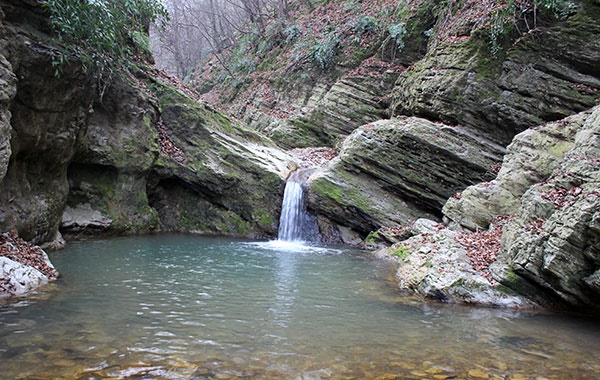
295 224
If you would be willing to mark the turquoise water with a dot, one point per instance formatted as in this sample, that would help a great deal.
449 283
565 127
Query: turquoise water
188 307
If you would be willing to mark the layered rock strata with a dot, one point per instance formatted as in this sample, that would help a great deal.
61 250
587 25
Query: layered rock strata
548 248
391 172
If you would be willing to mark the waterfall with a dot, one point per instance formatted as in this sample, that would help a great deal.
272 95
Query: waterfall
295 223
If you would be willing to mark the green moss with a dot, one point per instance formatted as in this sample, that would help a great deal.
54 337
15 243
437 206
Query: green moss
345 196
372 236
330 190
264 219
517 283
400 252
560 148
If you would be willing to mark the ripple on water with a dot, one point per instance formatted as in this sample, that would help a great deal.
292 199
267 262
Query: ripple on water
172 307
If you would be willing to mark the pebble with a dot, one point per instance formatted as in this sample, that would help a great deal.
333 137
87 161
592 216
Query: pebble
478 374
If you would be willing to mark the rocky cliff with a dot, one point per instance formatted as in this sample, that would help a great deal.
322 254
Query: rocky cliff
537 235
128 154
469 87
423 132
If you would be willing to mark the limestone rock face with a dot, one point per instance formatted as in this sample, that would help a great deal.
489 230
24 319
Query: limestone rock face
531 158
530 237
8 89
544 76
47 114
223 178
351 102
547 193
552 247
393 171
154 159
127 155
107 176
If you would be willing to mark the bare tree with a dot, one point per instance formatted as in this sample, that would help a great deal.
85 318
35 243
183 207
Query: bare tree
199 28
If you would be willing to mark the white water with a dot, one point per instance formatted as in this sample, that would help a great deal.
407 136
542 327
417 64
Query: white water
290 223
296 224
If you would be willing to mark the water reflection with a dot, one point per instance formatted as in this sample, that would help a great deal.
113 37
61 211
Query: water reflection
178 307
285 289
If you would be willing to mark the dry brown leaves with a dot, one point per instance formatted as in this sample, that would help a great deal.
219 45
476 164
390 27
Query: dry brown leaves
19 250
166 145
536 226
561 197
495 168
482 247
313 156
395 230
374 67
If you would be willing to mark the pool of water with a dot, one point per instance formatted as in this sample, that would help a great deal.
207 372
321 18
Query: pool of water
189 307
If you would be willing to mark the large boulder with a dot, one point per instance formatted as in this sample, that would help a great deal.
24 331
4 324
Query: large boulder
442 265
23 267
391 172
218 176
533 232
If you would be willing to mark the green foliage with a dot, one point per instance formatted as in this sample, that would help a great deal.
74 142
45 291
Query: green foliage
522 16
102 32
365 24
397 33
372 236
292 33
400 252
323 53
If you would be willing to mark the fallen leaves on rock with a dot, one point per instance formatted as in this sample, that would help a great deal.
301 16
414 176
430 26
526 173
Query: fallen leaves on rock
313 156
395 230
166 145
535 226
482 247
19 250
561 197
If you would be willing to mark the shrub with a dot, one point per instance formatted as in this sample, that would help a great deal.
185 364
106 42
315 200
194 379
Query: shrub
291 34
102 32
396 33
364 25
324 51
523 16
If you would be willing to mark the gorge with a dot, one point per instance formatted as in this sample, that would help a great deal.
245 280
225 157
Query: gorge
503 149
435 166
